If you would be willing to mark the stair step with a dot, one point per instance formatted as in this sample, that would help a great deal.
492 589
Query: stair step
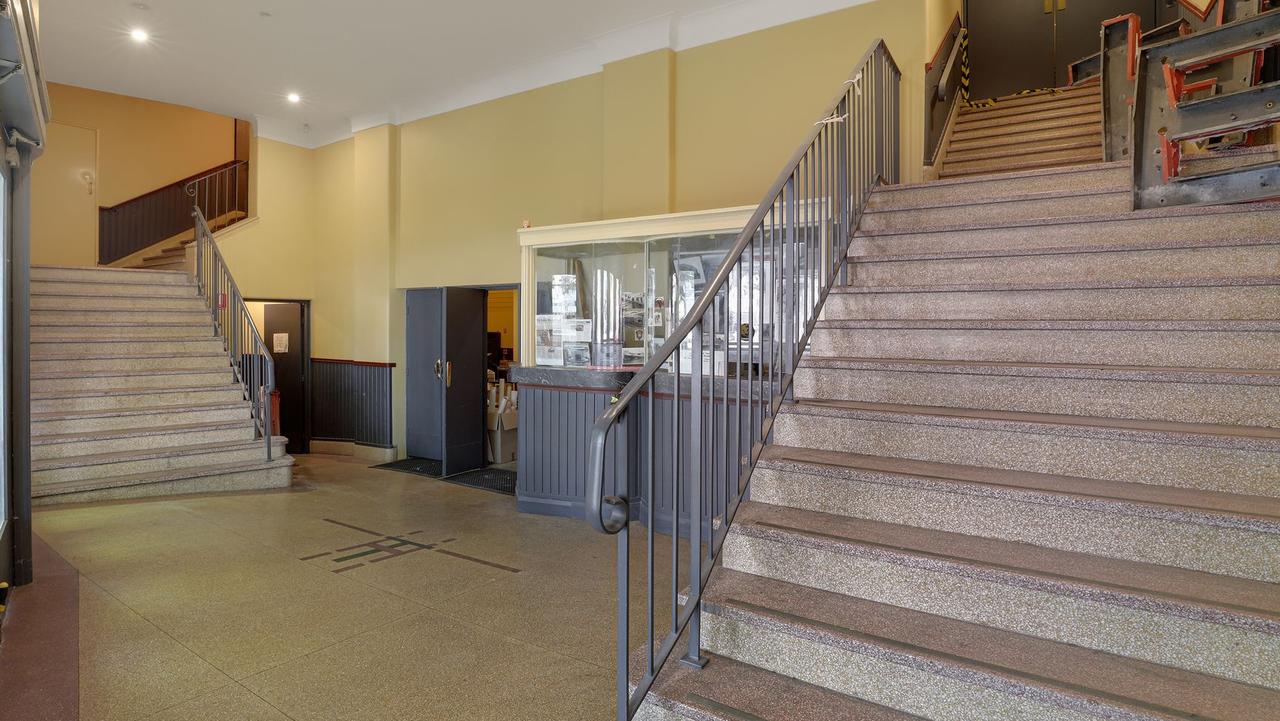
67 382
1208 457
1032 137
940 668
238 476
1218 224
1084 141
41 273
98 304
1073 117
1187 298
1020 133
96 443
1073 102
1046 159
107 348
132 361
1169 260
1187 395
730 691
1023 207
1187 344
118 288
196 326
1078 179
64 422
92 318
143 460
68 400
1189 529
1089 107
1150 612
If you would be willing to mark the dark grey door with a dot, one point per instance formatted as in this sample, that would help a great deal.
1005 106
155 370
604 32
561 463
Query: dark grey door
1010 46
1079 23
464 379
424 362
285 335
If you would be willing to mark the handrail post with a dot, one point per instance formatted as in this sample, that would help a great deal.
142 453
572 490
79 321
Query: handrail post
693 657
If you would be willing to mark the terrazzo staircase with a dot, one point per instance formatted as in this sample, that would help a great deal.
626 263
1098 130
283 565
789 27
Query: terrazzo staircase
1048 128
132 393
1031 472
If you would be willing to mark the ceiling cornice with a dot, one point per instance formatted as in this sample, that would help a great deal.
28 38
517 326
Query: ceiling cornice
666 32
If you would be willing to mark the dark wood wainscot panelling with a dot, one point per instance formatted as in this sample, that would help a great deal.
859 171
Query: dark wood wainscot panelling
351 401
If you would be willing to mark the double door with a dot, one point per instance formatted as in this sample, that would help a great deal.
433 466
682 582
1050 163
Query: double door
445 351
1020 45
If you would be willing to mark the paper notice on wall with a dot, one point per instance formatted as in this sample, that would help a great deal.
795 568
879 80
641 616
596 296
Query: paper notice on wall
564 295
576 330
549 341
280 343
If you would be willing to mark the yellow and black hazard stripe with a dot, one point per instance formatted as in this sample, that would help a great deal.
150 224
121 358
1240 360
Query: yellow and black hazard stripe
965 79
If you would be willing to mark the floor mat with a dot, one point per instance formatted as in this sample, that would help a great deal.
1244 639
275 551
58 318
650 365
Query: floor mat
497 480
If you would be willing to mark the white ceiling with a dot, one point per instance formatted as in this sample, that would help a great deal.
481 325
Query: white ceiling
364 63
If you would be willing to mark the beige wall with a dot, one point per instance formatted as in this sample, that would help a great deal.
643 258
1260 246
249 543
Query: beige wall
143 145
744 105
638 116
938 17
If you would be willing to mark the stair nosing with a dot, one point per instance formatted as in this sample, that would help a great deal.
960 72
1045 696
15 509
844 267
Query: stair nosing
1123 247
52 416
58 488
121 433
1117 325
1017 175
1236 281
1018 150
127 392
1080 371
1003 200
140 454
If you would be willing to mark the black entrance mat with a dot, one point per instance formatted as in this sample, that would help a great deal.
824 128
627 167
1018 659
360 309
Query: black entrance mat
496 480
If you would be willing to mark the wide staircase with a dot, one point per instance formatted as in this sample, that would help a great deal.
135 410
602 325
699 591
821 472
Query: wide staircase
1031 470
1047 128
134 394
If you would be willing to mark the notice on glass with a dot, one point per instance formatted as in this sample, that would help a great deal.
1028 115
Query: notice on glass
564 295
576 330
549 341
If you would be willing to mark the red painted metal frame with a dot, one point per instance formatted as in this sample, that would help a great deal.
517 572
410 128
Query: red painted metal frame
1202 14
1135 37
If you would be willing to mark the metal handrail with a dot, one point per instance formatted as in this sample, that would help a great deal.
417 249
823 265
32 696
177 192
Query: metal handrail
940 92
221 192
250 358
790 254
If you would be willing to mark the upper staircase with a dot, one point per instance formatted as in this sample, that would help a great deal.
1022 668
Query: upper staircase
133 393
1047 128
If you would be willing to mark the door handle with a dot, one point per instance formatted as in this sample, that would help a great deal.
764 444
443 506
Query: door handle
448 374
1048 6
438 364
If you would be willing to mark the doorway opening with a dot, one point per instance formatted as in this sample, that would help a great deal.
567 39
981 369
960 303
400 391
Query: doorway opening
461 420
1018 45
286 328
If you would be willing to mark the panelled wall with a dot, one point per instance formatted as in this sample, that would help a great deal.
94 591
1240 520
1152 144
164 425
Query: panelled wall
351 402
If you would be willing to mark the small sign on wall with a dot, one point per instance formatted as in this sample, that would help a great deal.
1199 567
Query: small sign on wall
280 343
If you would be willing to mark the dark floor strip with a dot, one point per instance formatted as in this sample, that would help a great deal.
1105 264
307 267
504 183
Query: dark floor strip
354 528
473 559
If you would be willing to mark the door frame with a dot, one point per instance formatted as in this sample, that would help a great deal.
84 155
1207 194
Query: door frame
306 355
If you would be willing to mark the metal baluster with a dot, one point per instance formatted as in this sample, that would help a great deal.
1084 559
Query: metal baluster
651 503
694 656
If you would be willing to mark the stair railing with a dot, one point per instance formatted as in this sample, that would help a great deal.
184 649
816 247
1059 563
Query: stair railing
164 213
250 358
731 361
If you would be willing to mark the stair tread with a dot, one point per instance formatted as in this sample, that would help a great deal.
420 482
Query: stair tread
1239 510
1048 671
1133 584
1136 216
135 432
99 268
141 391
1112 247
151 410
1015 150
1012 175
1083 157
141 454
70 375
1220 326
1091 284
1156 431
1050 370
175 339
727 690
40 490
1003 200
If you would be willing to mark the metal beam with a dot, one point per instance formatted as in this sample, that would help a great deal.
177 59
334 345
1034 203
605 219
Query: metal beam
1249 109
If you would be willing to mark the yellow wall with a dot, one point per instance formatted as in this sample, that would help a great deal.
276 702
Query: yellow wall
638 145
938 17
743 105
503 312
143 145
470 177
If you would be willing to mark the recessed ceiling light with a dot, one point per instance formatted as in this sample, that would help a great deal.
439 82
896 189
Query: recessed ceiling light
141 6
139 35
264 14
294 98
